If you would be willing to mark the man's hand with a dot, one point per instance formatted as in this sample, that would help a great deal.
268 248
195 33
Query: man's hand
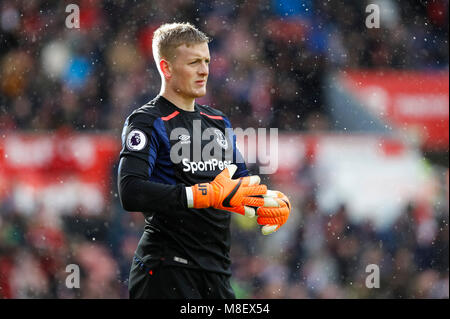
275 216
233 195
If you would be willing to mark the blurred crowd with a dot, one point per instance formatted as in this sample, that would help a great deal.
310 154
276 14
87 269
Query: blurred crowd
326 255
269 63
316 254
269 58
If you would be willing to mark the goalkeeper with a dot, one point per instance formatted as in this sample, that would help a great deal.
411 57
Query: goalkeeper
187 202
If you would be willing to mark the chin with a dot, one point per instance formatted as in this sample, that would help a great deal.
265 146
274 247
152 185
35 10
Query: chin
199 93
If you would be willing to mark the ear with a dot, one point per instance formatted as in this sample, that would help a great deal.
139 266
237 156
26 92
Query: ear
166 69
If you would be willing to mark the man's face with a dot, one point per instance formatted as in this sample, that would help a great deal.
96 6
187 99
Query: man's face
190 69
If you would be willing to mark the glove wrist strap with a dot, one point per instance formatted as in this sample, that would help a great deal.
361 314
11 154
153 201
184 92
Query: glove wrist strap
190 197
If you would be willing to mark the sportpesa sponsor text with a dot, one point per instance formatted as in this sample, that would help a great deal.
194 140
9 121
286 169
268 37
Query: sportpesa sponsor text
210 165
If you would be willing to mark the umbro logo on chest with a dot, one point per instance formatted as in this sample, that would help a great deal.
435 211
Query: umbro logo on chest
184 139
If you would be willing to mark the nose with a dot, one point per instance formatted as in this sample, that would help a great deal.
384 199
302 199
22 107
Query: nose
204 69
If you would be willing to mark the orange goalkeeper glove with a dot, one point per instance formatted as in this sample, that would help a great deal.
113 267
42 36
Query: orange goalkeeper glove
224 193
273 216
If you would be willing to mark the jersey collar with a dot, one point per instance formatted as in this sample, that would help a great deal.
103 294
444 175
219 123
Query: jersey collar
166 102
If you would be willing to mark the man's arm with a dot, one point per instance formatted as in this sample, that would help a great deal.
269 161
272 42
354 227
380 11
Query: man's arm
140 145
138 194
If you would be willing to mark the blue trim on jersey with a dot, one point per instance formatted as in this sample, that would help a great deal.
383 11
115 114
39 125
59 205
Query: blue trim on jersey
153 147
238 160
163 167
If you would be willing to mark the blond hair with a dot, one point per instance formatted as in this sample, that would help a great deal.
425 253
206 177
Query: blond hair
171 35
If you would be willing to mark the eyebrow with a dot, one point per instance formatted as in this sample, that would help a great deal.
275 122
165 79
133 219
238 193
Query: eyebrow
199 58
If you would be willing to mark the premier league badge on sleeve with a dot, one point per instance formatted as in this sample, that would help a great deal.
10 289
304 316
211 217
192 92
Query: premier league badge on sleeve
136 140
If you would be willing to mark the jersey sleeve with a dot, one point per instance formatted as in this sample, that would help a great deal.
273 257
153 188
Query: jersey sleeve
238 159
140 145
138 139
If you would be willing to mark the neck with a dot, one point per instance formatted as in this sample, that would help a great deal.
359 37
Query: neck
184 103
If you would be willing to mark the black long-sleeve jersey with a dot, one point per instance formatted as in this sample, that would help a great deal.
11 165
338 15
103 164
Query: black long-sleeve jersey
164 150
